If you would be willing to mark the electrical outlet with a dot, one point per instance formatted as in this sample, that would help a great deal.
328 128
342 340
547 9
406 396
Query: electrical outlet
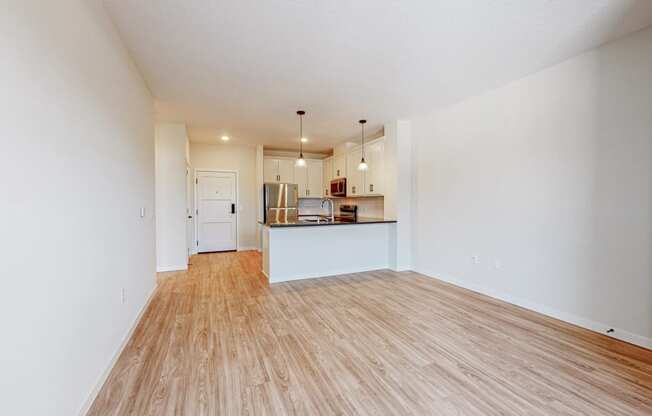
122 295
475 259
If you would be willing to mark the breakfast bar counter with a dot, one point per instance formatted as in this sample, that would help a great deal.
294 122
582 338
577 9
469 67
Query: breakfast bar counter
304 249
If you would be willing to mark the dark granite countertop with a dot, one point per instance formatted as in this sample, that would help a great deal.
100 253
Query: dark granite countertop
314 223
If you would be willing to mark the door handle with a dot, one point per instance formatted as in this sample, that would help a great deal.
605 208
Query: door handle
232 208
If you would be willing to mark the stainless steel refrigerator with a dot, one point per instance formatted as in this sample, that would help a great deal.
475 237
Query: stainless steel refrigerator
281 202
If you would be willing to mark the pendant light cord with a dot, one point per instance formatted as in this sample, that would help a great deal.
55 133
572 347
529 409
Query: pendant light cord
363 140
300 113
362 123
300 135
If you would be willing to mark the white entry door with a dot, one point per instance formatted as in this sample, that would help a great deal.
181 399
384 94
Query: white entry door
216 213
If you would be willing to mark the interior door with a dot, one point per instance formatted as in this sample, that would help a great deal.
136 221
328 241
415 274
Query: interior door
217 216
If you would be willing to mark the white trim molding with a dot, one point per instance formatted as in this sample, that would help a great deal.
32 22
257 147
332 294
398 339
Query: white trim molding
247 248
171 268
125 341
598 327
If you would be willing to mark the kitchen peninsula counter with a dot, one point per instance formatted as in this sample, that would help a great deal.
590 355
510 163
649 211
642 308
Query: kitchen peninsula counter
311 223
305 248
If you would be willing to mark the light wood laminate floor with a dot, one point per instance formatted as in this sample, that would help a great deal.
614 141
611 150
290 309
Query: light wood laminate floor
219 340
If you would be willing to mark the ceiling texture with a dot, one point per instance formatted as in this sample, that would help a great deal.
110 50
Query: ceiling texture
243 67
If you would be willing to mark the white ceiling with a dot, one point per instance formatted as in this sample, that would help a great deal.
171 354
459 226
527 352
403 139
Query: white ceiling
243 67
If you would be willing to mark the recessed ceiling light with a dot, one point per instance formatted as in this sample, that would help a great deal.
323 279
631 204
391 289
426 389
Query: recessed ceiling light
304 140
225 138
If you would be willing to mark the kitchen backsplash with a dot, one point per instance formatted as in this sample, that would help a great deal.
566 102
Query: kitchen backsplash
367 207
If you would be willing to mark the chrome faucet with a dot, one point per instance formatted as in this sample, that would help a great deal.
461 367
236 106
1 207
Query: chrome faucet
332 214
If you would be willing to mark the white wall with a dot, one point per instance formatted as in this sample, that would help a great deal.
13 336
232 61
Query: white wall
399 190
243 160
171 184
548 181
260 180
77 165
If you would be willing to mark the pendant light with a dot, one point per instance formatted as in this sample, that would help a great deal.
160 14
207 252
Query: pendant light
301 162
363 165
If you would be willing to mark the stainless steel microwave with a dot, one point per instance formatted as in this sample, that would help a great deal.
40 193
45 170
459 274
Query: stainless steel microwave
338 187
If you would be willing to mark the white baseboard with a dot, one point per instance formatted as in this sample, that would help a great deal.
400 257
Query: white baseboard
105 375
598 327
247 248
171 268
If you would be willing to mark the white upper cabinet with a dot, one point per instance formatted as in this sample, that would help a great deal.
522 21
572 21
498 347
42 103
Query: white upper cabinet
374 180
286 170
278 170
339 166
354 177
314 179
315 175
301 179
270 170
309 177
327 176
362 183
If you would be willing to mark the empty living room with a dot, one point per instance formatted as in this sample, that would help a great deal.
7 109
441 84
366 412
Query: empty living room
348 207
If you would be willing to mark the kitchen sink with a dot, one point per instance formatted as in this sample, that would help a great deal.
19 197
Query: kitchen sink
316 220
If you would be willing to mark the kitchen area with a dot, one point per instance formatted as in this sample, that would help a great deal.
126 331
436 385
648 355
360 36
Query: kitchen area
326 216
